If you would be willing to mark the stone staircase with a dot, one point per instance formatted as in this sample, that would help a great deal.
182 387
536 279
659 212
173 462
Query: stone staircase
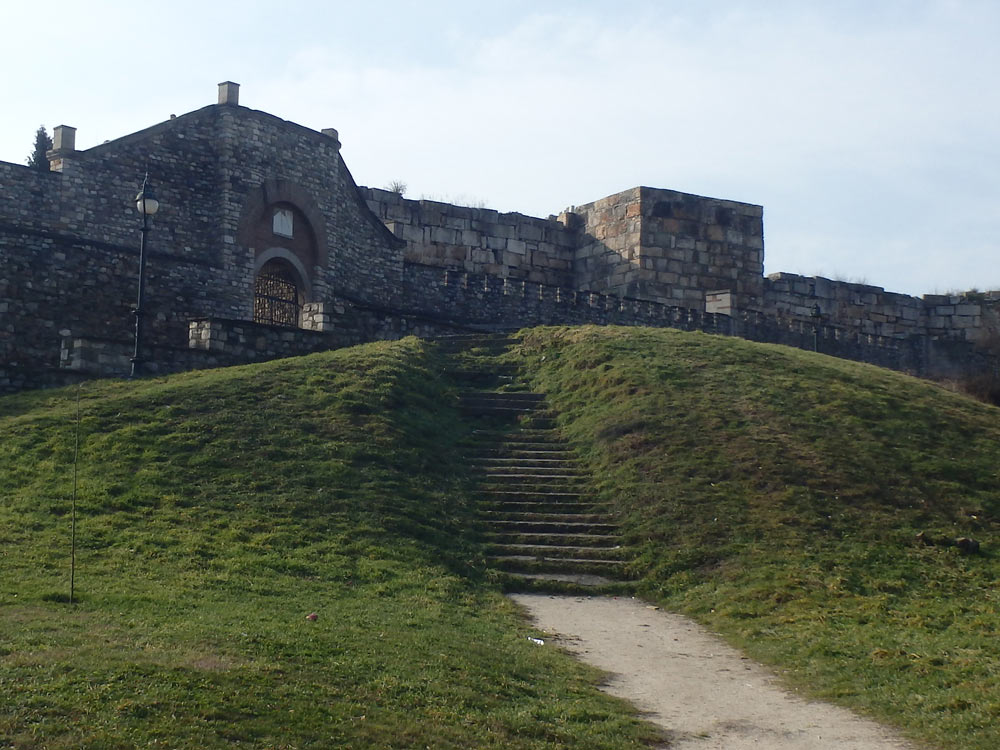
543 531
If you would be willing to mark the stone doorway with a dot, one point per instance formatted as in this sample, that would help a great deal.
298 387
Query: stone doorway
277 297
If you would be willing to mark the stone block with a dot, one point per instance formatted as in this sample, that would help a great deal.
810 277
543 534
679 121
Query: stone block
560 264
935 299
488 215
507 231
527 231
409 232
444 236
486 227
715 233
459 223
398 213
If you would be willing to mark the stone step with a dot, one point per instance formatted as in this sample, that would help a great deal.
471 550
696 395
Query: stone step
496 409
536 538
517 506
529 488
535 473
525 564
520 433
520 396
538 421
533 435
511 493
579 579
569 528
493 472
484 441
481 377
502 462
527 476
500 453
495 516
557 550
510 404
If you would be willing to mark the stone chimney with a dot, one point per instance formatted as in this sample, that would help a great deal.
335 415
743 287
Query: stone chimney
63 147
332 133
229 93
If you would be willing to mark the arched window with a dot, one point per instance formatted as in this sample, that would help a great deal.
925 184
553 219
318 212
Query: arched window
276 297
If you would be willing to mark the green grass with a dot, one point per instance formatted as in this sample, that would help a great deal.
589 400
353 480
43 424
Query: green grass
776 496
216 510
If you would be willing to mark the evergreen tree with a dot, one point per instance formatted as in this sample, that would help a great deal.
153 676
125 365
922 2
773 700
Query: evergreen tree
43 143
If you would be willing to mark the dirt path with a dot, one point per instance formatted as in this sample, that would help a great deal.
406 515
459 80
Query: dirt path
705 693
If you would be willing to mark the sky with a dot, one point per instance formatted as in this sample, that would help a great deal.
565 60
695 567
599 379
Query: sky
867 130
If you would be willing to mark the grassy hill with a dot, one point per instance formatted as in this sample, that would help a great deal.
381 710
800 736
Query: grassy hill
777 495
774 494
215 511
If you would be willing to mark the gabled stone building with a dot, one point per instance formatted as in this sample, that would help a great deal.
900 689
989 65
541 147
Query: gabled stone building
264 246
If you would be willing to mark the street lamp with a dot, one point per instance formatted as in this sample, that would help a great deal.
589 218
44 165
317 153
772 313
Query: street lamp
816 314
147 205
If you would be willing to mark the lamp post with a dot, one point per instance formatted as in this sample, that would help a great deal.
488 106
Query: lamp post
816 313
147 205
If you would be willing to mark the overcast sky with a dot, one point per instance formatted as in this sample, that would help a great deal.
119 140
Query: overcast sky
867 130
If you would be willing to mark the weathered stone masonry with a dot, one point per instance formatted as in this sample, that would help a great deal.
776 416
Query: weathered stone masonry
261 222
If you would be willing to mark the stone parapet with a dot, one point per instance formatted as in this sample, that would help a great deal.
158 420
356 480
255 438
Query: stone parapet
872 310
477 240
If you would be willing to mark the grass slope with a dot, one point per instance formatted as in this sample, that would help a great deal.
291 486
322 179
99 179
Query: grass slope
217 509
776 495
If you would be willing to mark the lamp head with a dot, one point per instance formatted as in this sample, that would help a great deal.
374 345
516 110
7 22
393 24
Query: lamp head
145 201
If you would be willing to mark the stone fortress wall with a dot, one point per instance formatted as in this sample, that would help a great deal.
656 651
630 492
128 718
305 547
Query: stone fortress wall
671 248
370 264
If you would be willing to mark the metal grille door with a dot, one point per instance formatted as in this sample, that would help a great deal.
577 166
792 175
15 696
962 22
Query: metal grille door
276 299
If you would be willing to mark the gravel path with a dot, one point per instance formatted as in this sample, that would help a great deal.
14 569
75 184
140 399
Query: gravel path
704 693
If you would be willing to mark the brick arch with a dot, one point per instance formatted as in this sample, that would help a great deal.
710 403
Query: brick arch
278 192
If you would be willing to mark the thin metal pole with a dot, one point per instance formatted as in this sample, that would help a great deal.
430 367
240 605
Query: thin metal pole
76 459
138 312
